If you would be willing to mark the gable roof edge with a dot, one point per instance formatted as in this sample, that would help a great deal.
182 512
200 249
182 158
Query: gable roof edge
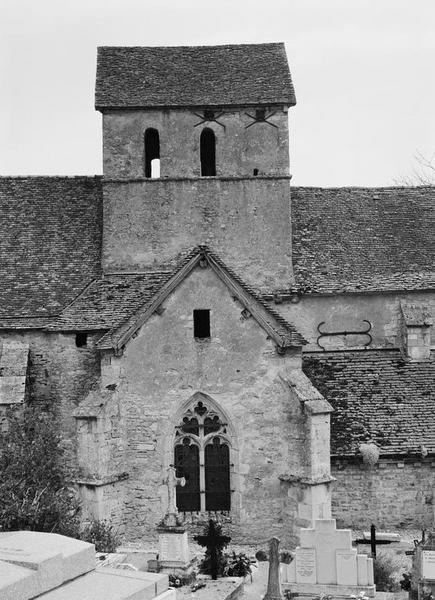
117 337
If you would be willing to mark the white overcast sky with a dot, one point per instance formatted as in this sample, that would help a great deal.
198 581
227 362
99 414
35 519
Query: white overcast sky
363 72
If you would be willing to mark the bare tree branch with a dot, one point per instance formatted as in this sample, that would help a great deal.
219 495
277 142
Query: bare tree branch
422 173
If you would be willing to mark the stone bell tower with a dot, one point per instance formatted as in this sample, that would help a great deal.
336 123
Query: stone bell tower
196 152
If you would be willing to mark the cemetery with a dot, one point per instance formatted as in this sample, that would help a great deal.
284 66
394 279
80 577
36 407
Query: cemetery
238 373
328 563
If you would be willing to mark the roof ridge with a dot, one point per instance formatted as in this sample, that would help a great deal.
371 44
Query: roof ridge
186 47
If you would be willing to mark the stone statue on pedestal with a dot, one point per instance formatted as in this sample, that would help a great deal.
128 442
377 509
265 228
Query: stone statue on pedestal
173 543
172 517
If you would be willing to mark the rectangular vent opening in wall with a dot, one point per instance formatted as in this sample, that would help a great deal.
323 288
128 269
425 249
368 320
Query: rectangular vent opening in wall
201 323
81 339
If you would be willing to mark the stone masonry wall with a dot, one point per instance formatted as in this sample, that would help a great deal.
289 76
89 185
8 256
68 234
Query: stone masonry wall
246 221
239 368
239 149
392 494
346 312
59 372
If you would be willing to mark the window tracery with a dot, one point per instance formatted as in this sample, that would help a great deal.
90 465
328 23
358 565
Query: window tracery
202 457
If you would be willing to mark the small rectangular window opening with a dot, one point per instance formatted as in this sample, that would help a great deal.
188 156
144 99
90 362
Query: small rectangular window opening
81 339
201 323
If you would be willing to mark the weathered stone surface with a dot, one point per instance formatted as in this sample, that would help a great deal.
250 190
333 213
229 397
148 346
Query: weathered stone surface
326 563
242 372
119 585
273 582
51 559
16 582
234 217
13 371
173 548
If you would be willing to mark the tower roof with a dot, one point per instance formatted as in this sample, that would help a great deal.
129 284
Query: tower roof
182 76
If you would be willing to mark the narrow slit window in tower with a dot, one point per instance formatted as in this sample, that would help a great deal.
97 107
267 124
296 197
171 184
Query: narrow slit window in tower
208 153
152 153
201 323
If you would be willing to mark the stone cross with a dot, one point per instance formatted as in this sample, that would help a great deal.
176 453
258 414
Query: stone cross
171 518
273 583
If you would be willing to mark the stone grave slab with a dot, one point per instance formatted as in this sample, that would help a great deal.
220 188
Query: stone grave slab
326 539
16 583
46 565
173 547
347 572
326 563
159 581
428 564
122 585
54 567
52 558
362 572
370 572
305 566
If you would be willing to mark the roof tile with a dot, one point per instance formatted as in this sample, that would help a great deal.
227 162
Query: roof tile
181 76
363 239
376 395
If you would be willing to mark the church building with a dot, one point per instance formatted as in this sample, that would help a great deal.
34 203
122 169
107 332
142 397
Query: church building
190 307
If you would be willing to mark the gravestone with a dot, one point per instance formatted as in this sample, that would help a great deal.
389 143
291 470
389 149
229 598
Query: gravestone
53 567
273 581
423 567
48 558
326 563
173 542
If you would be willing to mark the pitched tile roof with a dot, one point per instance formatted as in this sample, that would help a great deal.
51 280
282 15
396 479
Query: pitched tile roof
378 396
249 74
50 244
112 302
106 302
363 239
344 240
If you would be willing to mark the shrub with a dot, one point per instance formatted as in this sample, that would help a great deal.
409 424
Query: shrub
385 567
101 534
405 582
238 565
34 490
370 453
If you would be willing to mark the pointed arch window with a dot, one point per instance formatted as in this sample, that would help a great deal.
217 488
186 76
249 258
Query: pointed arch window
208 153
202 457
152 153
